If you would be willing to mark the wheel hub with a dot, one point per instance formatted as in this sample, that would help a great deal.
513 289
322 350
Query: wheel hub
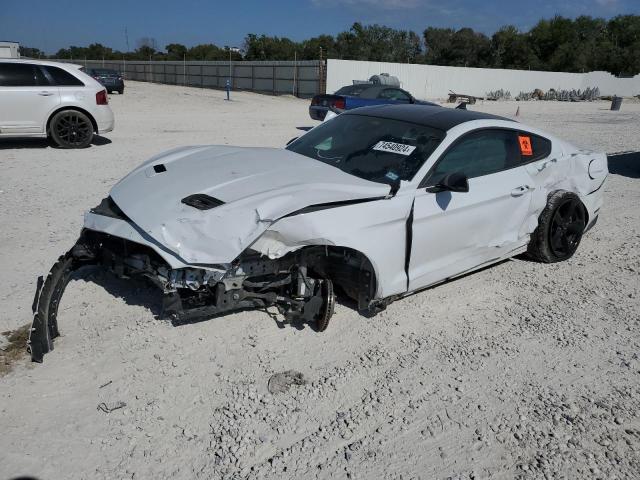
566 227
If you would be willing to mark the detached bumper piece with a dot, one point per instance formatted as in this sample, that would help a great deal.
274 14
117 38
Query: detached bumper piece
189 293
45 307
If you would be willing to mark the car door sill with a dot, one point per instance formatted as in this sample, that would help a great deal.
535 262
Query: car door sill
12 134
512 253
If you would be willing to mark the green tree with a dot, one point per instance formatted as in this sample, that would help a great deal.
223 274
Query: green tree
32 52
463 48
175 51
437 44
310 49
377 43
512 49
269 48
558 43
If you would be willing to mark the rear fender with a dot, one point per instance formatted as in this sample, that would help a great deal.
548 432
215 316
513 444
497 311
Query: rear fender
580 171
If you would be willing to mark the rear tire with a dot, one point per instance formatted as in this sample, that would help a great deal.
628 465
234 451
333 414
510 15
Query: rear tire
71 129
560 228
121 91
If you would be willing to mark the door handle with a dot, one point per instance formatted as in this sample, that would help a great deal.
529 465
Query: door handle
519 191
45 94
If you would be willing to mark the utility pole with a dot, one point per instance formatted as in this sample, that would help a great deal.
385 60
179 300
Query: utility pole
321 71
126 37
295 68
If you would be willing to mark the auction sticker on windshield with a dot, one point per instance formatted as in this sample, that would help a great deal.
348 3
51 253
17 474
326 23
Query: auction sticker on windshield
391 147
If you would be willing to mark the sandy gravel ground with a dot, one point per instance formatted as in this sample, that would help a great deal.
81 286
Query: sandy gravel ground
520 370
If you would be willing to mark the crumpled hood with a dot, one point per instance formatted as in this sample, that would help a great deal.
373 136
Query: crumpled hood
257 185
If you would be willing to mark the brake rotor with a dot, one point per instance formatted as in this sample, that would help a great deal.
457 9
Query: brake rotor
328 305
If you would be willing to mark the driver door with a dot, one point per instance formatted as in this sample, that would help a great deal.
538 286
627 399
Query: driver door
454 232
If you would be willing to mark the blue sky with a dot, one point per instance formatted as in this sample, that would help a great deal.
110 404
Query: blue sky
53 24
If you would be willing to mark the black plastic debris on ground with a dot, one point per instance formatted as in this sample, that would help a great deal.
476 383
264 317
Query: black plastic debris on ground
103 407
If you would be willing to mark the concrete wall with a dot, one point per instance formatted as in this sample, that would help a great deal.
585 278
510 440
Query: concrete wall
432 81
302 79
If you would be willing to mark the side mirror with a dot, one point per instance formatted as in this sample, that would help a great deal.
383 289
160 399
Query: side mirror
453 182
291 141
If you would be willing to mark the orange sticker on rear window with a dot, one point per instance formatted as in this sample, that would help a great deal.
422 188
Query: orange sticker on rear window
525 145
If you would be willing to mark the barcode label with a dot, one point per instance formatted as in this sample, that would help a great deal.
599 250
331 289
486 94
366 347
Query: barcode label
391 147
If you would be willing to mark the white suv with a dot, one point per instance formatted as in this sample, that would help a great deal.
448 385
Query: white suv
40 99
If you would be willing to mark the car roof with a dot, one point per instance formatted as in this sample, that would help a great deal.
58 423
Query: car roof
40 62
431 116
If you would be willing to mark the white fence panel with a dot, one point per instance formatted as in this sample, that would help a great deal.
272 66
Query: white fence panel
433 81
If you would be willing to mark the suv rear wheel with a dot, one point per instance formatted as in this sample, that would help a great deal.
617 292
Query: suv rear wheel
71 129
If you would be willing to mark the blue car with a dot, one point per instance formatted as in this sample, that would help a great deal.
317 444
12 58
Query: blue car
360 95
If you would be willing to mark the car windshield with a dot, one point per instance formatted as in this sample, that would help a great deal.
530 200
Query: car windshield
376 149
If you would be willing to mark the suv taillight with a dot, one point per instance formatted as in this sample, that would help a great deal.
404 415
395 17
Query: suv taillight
339 103
101 98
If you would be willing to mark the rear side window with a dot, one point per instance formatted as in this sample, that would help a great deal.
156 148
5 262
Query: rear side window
479 153
533 147
40 78
62 78
17 75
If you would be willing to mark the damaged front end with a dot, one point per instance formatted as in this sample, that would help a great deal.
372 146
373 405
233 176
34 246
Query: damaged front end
297 284
187 220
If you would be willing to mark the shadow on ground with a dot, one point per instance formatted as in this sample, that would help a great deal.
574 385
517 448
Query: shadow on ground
138 292
19 143
134 291
626 164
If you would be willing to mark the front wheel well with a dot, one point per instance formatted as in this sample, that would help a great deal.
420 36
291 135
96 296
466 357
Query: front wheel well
94 124
349 269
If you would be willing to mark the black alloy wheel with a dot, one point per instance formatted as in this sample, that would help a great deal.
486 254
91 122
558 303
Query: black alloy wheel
567 226
71 129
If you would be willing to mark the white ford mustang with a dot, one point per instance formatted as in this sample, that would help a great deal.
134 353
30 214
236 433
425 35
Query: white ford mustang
375 204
